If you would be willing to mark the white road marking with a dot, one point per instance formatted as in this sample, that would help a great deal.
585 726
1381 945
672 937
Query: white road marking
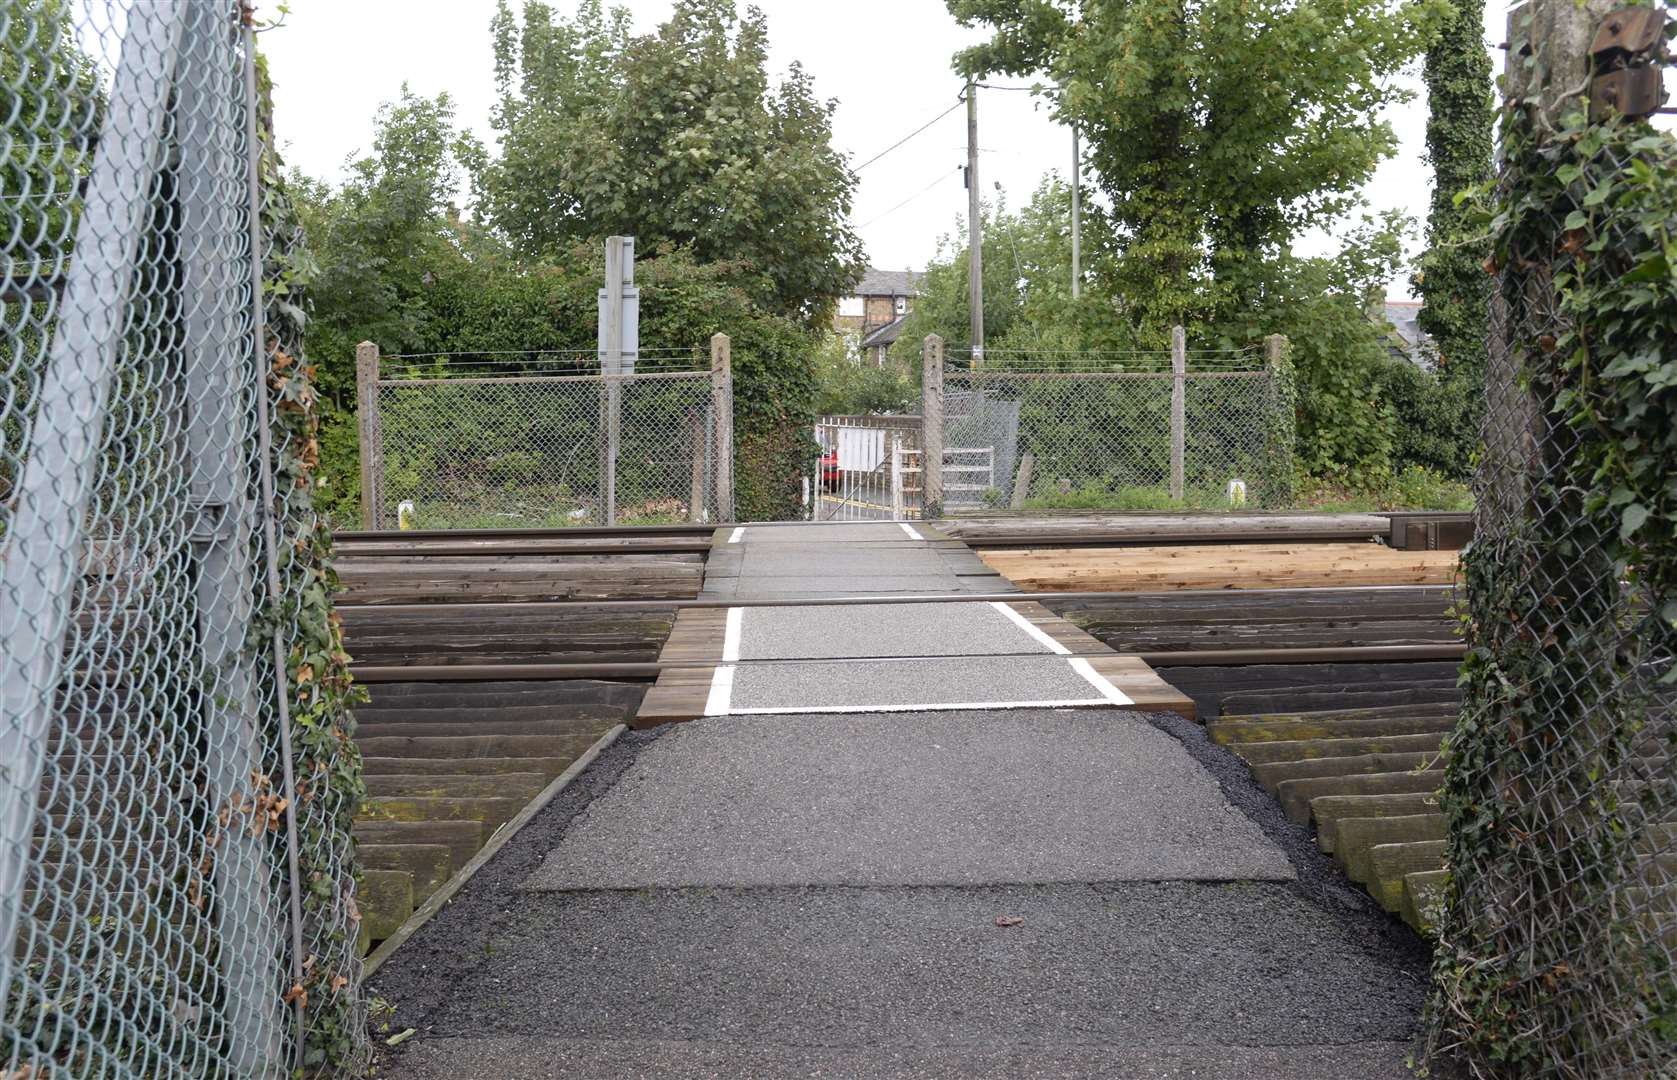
731 635
943 706
734 537
909 529
721 691
1036 632
1099 682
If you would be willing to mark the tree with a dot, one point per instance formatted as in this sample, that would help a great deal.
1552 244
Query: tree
1451 277
1218 129
675 136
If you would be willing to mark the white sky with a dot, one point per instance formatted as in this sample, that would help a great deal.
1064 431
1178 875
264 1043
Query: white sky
886 61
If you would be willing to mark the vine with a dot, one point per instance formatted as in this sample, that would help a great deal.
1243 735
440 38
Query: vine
1571 614
327 762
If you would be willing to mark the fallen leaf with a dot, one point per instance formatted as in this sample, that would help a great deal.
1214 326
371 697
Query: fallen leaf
400 1037
1009 920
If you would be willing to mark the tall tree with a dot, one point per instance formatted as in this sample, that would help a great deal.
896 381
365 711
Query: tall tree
1218 129
1451 277
675 136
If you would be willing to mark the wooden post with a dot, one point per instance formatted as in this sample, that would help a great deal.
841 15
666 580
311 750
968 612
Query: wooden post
975 231
899 510
1022 480
371 433
931 428
611 367
1178 411
696 443
722 410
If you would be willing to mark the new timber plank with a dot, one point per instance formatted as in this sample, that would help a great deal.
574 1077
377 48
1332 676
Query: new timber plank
1137 569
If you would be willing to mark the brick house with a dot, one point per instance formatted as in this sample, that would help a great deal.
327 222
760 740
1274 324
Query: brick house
873 318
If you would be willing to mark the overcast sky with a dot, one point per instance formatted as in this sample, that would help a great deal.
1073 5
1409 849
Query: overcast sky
886 61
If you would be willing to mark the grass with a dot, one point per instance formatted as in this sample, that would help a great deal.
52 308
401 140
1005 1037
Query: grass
1414 488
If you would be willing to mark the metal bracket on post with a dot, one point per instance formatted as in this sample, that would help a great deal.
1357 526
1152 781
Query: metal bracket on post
1625 59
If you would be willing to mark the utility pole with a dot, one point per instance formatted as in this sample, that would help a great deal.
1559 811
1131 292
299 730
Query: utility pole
1076 215
975 229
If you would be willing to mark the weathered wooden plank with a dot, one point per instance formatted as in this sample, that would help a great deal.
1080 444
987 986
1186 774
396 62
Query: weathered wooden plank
1279 750
1296 795
1272 775
427 865
462 838
1389 864
1329 810
1357 836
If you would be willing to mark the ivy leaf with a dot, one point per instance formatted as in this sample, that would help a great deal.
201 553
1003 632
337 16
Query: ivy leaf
1652 268
1634 517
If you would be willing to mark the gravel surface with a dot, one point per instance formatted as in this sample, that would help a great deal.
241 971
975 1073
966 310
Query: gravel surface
892 683
516 1058
793 633
1134 965
911 799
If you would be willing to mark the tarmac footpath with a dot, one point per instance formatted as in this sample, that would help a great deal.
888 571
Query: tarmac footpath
910 841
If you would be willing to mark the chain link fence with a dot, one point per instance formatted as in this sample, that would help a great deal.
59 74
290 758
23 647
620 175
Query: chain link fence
1089 430
177 780
478 441
1557 953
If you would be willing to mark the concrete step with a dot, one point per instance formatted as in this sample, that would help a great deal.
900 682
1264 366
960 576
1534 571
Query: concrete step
429 865
1261 753
1389 864
493 766
1272 775
1423 892
476 746
1241 730
1329 810
385 900
1358 835
462 838
457 786
1295 795
493 812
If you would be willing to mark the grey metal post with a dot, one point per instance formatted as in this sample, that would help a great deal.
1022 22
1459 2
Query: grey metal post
371 433
722 409
931 427
975 230
611 367
215 281
41 557
1178 411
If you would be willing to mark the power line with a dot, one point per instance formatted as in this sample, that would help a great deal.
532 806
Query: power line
910 135
910 199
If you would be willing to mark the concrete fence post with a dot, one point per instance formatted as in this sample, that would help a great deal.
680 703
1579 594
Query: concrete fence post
722 408
371 435
1178 411
931 427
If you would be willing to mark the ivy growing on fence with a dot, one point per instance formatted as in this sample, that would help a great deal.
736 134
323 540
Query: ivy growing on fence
1551 959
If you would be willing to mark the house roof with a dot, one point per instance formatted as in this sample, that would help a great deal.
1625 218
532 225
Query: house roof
1404 315
890 283
886 334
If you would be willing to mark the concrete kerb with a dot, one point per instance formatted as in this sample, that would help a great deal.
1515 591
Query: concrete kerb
439 899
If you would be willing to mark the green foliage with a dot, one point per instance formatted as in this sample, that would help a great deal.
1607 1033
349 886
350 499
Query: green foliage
326 759
1570 602
674 137
1414 487
848 384
1451 277
1218 129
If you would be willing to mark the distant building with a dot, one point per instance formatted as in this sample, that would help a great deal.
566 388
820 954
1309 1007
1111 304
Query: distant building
873 318
1407 341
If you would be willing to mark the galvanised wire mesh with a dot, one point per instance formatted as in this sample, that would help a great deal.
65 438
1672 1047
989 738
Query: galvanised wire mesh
473 441
1557 953
157 833
1103 431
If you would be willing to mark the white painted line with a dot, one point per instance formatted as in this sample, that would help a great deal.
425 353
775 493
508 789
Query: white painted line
1037 633
909 529
936 706
731 635
721 691
734 537
1098 681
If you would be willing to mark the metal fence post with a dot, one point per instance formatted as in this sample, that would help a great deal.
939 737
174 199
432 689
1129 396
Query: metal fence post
44 548
722 409
371 434
1178 412
931 427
